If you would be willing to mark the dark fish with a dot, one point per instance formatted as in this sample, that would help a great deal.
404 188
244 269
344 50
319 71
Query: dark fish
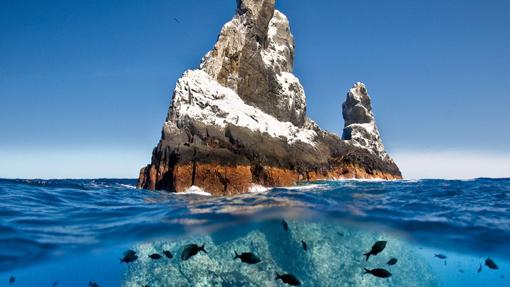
155 256
376 248
129 256
12 279
247 257
461 271
340 233
288 279
480 268
177 20
168 254
305 247
392 261
93 284
55 284
191 250
378 272
285 225
491 264
502 276
440 256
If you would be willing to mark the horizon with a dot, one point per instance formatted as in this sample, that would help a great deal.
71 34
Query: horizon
85 87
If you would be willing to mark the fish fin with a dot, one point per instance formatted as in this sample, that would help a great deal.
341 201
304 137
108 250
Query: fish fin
367 255
203 248
236 255
278 276
366 270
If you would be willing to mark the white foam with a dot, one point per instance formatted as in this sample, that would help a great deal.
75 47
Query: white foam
194 190
127 186
256 188
308 187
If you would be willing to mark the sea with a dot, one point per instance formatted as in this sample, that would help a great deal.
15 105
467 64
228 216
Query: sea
105 232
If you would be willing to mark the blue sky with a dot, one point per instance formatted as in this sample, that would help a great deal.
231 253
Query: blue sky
85 85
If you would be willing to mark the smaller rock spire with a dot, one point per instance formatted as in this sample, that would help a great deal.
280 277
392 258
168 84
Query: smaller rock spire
360 127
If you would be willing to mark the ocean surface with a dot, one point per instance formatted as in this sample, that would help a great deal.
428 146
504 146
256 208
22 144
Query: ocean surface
75 233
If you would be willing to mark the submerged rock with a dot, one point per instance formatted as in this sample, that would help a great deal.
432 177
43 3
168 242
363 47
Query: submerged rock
240 119
327 264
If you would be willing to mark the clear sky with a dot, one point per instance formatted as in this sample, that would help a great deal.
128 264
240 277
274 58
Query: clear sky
85 85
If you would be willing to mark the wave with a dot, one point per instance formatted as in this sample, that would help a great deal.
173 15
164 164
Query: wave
195 190
59 215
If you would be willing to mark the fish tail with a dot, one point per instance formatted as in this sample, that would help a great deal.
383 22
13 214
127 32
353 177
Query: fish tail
236 255
366 270
278 276
203 248
367 255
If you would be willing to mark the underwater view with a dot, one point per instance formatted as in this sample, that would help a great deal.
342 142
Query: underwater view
327 233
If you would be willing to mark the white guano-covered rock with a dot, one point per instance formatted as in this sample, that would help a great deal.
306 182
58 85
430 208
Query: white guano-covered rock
360 128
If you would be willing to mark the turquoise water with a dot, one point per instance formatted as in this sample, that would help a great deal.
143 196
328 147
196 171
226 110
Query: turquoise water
72 232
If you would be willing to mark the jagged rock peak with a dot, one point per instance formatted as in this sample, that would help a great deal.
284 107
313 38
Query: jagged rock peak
254 57
240 120
256 9
360 127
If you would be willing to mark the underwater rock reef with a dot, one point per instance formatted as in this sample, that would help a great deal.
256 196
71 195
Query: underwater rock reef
240 121
333 257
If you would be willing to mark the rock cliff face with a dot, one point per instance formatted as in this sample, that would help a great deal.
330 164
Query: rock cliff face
240 120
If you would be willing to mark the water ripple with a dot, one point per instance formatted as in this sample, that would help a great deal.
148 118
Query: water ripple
41 217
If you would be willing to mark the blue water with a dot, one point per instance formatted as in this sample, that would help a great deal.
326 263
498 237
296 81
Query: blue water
73 232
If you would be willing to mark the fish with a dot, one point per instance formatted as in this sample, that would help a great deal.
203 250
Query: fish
480 268
502 276
305 247
191 250
392 261
288 279
461 271
340 233
12 279
378 272
93 284
168 254
285 225
491 264
247 257
155 256
376 249
55 284
440 256
129 256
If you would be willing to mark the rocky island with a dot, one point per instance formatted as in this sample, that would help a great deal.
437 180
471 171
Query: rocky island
239 121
